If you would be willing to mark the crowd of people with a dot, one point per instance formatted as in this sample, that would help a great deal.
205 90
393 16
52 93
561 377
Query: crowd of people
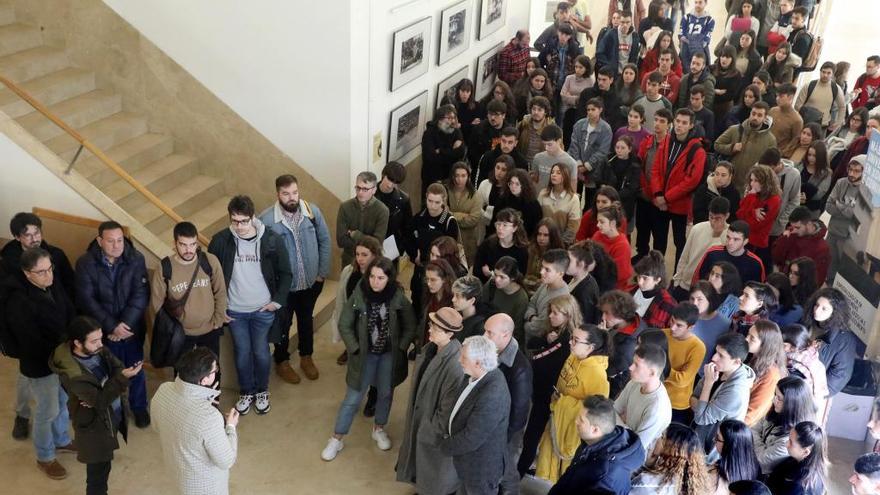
549 337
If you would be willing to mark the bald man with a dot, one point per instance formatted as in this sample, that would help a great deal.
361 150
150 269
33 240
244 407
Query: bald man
517 372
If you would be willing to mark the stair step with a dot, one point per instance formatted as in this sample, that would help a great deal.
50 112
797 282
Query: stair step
17 37
29 64
131 155
48 90
158 177
104 133
185 199
76 112
209 220
7 14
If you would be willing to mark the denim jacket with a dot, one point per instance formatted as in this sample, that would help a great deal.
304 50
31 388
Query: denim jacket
314 237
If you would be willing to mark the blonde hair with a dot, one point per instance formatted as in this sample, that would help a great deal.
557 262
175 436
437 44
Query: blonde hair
568 306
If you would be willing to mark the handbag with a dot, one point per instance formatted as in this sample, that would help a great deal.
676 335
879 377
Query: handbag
166 344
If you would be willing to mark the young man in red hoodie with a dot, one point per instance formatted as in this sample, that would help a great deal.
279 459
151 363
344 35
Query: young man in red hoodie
676 174
867 87
805 236
646 212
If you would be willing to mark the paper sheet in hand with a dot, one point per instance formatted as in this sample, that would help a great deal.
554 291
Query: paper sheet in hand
389 248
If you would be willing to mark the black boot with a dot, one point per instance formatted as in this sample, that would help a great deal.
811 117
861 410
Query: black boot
20 429
370 407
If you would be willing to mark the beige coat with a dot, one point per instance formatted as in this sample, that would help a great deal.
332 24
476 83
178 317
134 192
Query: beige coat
467 209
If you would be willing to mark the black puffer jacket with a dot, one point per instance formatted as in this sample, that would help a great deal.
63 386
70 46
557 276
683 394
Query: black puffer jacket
604 467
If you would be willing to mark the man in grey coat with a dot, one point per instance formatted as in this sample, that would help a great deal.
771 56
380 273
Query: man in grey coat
849 195
476 437
590 144
789 183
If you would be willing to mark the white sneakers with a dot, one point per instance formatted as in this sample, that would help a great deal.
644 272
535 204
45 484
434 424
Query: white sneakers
382 439
262 403
243 406
333 448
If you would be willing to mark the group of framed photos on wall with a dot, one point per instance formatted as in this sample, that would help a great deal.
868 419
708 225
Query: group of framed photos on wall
411 56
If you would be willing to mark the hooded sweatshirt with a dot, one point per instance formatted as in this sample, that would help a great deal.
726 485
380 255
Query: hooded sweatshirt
755 142
788 248
842 202
603 467
729 400
790 183
247 287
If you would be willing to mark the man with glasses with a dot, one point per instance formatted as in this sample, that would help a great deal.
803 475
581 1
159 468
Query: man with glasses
306 238
442 145
27 233
360 216
701 237
37 312
111 287
198 448
486 135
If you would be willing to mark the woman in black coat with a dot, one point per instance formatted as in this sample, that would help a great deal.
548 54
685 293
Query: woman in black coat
622 172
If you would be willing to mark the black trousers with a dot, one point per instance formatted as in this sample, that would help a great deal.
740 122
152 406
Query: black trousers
660 231
211 340
97 475
646 215
302 304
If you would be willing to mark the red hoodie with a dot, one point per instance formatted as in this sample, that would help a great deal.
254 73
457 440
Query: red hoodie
621 252
588 228
788 248
759 230
677 181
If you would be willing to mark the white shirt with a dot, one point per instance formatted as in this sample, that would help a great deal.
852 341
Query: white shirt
464 394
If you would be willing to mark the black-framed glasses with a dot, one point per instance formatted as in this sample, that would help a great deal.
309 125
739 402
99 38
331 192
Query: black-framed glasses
43 272
575 341
364 189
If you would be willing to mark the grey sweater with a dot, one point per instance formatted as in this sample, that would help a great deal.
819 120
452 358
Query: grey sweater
247 287
790 181
539 307
729 401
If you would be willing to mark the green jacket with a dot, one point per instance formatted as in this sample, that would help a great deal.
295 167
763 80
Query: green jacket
354 332
372 220
755 142
92 423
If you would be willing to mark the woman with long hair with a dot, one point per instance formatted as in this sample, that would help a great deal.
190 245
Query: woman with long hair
742 22
546 237
439 277
509 239
727 285
748 60
826 314
711 323
465 205
759 209
787 310
855 127
676 466
736 455
446 248
583 286
548 354
532 64
521 196
494 187
366 250
623 172
757 302
655 23
805 471
627 88
803 277
538 84
576 83
767 360
582 375
739 113
377 326
810 134
502 92
802 359
635 127
505 292
605 272
652 57
559 202
606 196
781 65
616 244
792 403
816 174
468 110
728 81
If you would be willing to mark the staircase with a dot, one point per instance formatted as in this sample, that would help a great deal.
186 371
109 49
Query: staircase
98 114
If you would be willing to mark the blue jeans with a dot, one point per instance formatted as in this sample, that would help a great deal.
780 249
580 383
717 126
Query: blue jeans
250 338
50 416
22 398
131 351
377 371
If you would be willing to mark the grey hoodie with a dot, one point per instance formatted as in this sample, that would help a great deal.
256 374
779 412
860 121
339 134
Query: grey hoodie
730 400
247 287
790 182
842 203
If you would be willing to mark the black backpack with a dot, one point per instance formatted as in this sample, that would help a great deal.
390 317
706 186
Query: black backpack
8 343
812 114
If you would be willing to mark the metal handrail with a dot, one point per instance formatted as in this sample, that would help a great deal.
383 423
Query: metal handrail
98 152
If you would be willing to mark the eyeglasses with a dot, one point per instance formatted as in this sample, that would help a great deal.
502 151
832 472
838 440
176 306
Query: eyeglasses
32 235
240 222
43 272
364 189
575 341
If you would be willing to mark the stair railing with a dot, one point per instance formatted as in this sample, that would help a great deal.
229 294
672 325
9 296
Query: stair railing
98 152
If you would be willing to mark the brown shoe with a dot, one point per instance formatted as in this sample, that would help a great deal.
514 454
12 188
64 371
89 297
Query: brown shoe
342 359
286 372
53 469
67 449
308 367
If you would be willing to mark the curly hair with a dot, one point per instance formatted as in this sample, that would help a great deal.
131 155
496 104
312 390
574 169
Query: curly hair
765 176
681 462
528 187
619 304
839 314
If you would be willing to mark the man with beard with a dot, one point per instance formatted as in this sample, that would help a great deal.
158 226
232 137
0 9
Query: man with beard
27 233
204 313
442 145
743 144
508 143
307 244
849 194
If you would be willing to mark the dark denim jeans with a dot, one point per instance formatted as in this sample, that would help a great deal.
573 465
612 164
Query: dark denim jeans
131 351
250 338
302 304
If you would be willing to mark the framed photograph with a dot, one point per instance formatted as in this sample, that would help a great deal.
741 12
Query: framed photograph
550 11
493 15
444 86
409 57
455 30
407 125
487 71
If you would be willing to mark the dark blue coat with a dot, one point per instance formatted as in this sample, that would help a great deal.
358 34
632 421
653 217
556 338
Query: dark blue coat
608 53
604 467
109 302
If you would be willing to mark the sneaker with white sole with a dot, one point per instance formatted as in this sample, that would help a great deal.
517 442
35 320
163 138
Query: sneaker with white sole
261 403
243 406
382 439
334 446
